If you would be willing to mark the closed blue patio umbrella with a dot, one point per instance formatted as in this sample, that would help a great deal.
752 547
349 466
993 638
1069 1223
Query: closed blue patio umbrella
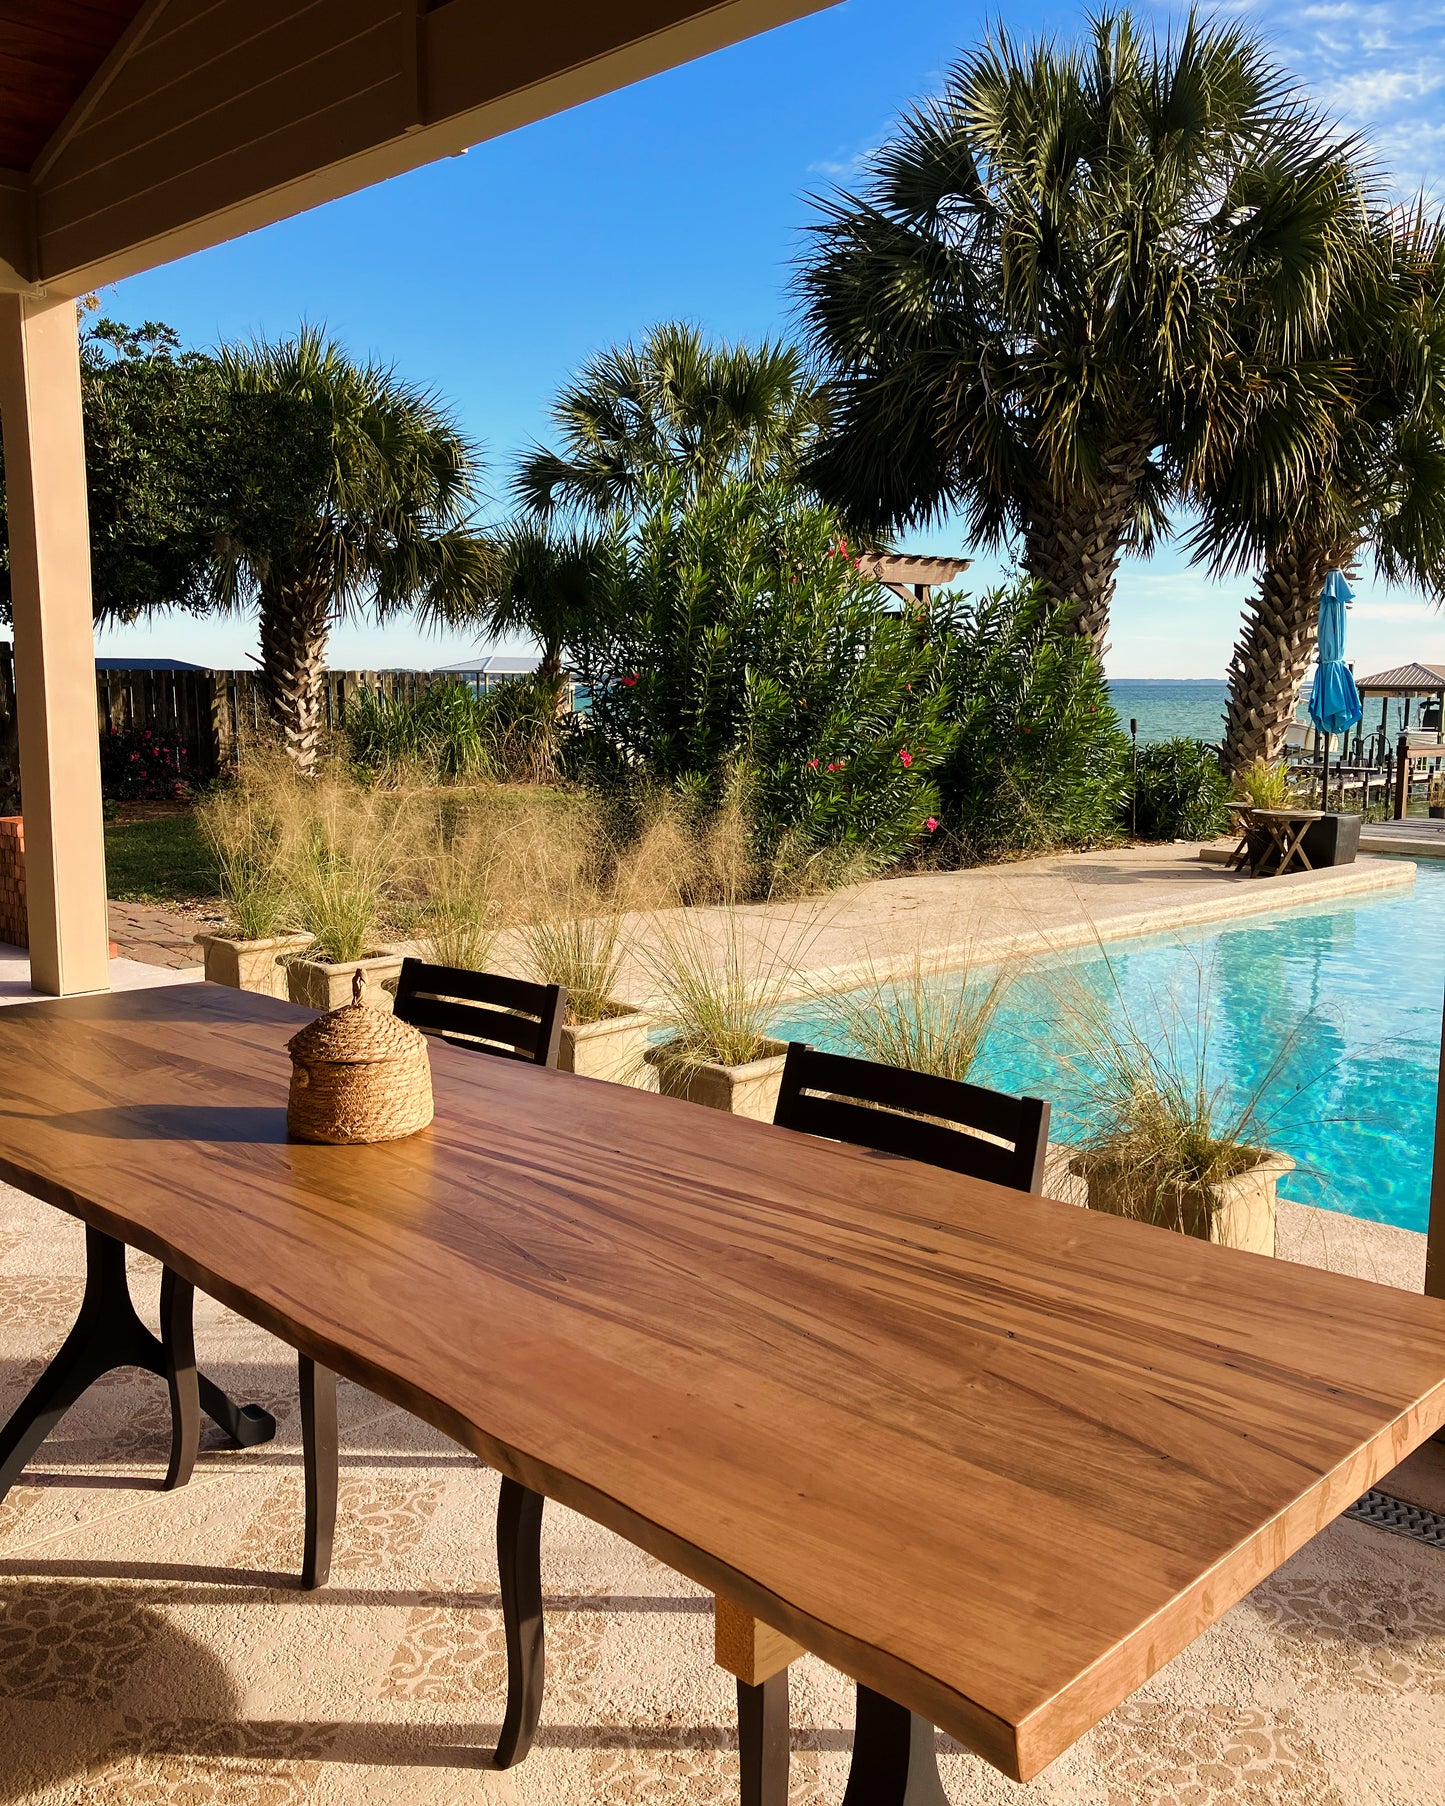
1334 705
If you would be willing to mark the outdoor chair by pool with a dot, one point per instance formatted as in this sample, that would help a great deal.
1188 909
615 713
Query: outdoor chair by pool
496 1015
942 1122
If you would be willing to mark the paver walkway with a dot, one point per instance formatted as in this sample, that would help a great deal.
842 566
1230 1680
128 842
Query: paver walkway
156 937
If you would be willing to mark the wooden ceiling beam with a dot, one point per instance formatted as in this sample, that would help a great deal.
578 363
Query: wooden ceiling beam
208 122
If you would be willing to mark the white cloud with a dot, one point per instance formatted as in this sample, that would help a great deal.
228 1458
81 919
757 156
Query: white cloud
1376 65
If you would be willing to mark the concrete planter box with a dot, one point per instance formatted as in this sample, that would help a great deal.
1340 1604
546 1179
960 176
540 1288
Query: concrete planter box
249 965
614 1048
1237 1213
750 1090
321 986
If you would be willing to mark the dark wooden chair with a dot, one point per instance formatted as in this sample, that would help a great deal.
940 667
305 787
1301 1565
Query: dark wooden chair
512 1020
942 1122
893 1111
496 1015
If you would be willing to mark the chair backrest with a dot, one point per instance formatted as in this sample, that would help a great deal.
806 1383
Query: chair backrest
880 1107
483 1010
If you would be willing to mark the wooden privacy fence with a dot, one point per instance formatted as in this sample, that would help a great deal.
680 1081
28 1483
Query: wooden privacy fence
203 712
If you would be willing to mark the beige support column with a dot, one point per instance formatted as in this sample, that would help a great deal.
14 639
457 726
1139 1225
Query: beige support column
40 420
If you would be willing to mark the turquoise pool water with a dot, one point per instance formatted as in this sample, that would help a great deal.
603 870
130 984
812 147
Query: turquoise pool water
1363 979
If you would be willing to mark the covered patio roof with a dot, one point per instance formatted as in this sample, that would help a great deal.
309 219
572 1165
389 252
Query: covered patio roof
136 131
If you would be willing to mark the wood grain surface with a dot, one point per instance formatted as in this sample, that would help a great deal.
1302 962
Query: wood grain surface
997 1457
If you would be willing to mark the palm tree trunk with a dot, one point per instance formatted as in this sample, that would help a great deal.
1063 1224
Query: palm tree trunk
1072 542
1280 628
295 624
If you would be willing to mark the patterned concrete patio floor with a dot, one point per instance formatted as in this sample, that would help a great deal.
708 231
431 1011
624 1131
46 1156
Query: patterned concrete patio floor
154 1648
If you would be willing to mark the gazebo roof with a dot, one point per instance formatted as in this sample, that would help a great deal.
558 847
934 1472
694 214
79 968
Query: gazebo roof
1404 680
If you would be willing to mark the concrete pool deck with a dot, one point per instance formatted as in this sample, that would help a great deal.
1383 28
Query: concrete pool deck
1023 908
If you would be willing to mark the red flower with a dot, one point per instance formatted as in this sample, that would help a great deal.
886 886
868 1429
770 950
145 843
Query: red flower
630 682
832 767
905 758
931 823
813 765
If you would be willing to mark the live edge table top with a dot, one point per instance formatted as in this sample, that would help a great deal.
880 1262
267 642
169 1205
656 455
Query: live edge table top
998 1457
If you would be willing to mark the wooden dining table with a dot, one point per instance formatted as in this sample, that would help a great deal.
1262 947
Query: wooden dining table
997 1458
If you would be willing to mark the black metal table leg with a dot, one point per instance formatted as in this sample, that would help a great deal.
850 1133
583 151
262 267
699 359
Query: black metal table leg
763 1740
107 1333
519 1561
894 1763
320 1456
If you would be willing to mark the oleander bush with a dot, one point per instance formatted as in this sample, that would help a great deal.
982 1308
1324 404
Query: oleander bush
1036 760
139 765
738 657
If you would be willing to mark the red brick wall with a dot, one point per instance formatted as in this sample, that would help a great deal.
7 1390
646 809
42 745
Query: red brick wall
13 922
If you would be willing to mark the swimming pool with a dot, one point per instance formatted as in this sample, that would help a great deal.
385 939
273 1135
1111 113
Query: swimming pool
1355 1105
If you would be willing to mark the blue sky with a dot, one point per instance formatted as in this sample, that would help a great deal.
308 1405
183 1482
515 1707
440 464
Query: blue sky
492 276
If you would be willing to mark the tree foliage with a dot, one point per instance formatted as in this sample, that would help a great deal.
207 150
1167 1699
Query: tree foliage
1338 453
1037 760
1027 315
153 435
1181 792
347 490
735 640
672 406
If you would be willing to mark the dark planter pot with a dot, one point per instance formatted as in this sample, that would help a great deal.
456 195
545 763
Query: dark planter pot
1333 840
1437 811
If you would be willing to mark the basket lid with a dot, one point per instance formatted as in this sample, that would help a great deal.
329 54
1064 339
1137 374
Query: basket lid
354 1035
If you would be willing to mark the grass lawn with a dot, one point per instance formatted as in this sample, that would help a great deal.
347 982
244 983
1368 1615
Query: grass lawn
161 861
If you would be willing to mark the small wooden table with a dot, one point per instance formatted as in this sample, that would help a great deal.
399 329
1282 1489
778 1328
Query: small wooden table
997 1458
1284 831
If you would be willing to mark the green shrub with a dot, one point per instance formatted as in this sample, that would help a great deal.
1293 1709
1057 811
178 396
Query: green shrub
1038 760
737 649
440 731
1181 792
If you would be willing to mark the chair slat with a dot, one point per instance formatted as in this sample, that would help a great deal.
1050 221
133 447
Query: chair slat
875 1106
493 1014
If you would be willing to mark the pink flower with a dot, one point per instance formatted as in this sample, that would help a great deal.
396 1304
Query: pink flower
931 823
813 765
905 758
630 682
832 767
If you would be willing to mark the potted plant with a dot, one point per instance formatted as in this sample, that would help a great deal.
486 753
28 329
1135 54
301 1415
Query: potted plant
923 1019
1164 1143
339 891
1437 796
717 1000
603 1035
250 957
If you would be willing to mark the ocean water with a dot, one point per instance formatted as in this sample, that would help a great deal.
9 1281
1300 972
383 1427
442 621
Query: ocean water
1167 708
1344 997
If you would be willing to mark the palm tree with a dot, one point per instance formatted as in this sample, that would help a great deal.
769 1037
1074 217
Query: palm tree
1025 317
1343 454
546 580
676 407
346 489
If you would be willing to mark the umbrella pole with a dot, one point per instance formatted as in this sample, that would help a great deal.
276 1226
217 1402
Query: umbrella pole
1325 779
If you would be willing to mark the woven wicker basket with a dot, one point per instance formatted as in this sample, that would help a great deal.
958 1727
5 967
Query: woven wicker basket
358 1074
